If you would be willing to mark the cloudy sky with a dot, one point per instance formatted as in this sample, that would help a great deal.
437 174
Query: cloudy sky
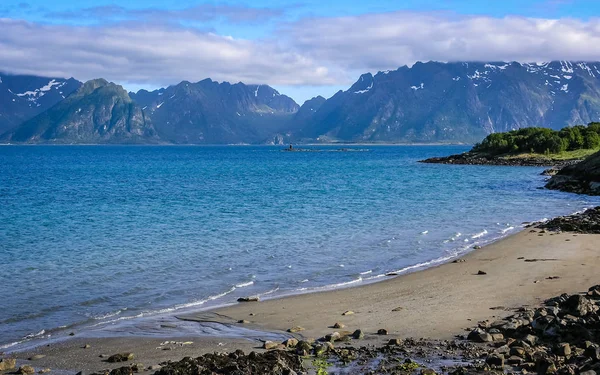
303 48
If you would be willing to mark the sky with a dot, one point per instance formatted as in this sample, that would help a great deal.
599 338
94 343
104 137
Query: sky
303 48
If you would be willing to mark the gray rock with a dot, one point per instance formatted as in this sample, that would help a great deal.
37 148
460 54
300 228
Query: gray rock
358 334
496 360
479 335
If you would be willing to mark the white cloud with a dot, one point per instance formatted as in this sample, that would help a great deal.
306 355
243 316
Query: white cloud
150 54
374 42
309 52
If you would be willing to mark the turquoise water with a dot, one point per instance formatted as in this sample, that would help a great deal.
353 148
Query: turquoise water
98 237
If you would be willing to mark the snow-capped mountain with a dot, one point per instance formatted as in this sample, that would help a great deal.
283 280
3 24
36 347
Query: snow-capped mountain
456 102
23 97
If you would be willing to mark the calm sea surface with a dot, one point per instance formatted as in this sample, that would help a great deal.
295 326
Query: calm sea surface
98 237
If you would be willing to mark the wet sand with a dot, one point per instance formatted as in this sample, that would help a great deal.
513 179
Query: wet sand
437 303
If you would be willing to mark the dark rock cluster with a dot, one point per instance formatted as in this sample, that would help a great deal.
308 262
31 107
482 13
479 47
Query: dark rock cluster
561 337
587 222
474 158
581 178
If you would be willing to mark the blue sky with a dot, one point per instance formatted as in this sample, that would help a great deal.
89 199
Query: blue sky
303 47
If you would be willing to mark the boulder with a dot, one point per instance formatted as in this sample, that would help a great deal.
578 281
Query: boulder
291 343
382 331
579 305
295 329
395 342
269 345
26 370
358 334
120 357
479 335
7 364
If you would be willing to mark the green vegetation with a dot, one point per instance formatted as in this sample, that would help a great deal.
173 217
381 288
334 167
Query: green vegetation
321 366
567 143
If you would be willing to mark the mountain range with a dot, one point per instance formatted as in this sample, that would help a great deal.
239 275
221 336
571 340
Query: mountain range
428 102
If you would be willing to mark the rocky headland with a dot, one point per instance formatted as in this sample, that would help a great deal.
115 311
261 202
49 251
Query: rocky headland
581 178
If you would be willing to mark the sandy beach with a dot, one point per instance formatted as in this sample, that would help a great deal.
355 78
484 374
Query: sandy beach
437 303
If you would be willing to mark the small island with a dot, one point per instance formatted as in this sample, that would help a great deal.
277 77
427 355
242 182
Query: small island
535 147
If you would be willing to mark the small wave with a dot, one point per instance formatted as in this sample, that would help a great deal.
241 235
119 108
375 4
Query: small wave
107 315
366 272
10 345
341 265
243 285
506 230
34 335
268 292
480 234
304 281
424 232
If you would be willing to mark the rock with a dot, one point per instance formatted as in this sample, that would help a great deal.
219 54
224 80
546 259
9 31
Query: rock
154 367
517 351
303 347
249 299
530 339
395 342
479 335
459 261
428 371
382 332
335 336
291 343
269 345
579 305
358 334
497 336
137 367
45 371
338 325
348 313
321 349
295 329
36 357
515 360
496 360
87 346
26 370
481 272
563 350
476 247
243 321
399 308
120 357
7 364
593 352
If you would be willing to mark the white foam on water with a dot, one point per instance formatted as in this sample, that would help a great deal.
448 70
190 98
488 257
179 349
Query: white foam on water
480 234
506 230
243 285
366 272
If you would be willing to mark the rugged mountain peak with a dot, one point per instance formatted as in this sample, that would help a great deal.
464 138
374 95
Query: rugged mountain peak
99 112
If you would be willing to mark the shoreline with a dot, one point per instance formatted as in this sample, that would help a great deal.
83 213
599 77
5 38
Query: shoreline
438 302
39 339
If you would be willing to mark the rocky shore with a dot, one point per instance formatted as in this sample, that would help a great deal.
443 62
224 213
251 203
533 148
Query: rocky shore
474 158
561 336
581 178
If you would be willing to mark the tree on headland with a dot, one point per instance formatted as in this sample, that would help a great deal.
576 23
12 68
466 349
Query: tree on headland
541 140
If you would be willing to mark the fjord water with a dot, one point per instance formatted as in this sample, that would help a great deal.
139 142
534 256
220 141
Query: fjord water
95 236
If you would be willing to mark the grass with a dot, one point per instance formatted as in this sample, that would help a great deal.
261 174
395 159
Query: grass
566 155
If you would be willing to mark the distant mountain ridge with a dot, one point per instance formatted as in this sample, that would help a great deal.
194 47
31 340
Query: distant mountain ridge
212 112
459 102
23 97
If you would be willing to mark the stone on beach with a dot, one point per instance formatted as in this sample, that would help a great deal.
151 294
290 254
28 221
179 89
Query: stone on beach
338 325
349 312
249 299
269 345
296 329
7 364
26 370
358 334
120 357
